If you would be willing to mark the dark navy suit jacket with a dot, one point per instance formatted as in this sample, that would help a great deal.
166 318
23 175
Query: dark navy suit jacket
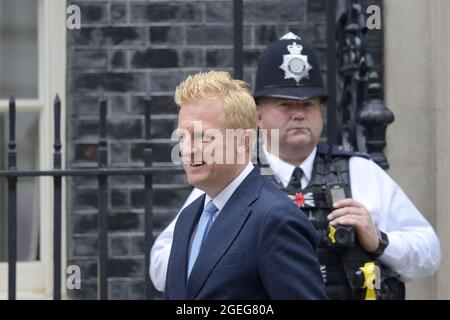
261 246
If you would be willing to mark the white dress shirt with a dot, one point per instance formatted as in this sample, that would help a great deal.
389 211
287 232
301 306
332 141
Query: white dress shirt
283 170
413 250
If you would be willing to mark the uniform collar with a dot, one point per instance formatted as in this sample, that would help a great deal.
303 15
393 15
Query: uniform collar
283 170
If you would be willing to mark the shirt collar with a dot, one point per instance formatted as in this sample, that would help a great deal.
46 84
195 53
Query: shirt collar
221 199
283 170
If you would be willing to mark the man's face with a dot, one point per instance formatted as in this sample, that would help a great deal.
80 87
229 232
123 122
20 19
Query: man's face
300 123
202 131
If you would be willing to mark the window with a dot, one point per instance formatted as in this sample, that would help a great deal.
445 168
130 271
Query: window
32 68
18 76
28 189
18 49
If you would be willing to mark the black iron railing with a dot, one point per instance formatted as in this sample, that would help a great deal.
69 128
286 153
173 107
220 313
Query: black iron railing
362 116
332 128
102 172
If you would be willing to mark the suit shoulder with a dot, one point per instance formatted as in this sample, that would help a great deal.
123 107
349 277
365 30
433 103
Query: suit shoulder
280 212
271 192
274 198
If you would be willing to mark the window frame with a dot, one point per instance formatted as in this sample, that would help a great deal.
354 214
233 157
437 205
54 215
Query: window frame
35 278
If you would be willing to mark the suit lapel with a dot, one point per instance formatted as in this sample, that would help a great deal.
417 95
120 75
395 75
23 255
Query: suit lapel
223 232
180 248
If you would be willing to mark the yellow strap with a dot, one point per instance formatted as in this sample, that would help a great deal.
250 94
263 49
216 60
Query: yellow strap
331 233
369 271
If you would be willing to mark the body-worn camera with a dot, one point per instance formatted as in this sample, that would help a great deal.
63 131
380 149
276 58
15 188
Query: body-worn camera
339 236
317 204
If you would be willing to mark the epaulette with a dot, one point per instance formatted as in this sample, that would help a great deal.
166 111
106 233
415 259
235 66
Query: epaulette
339 151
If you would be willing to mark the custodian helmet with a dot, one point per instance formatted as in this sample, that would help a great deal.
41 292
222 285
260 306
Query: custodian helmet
289 69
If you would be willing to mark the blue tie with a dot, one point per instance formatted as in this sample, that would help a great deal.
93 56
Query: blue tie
204 224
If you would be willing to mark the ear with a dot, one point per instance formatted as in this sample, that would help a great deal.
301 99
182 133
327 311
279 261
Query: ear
245 142
259 115
244 138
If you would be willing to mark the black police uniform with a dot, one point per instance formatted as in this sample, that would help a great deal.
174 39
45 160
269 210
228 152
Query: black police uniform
341 261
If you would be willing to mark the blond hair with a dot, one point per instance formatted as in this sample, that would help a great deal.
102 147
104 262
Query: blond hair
238 102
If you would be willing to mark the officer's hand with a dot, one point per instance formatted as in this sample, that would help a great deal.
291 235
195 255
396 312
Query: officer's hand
349 212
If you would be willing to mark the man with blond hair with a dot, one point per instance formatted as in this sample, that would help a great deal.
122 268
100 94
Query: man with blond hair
243 238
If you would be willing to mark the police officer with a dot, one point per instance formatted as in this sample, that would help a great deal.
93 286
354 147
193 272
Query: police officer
372 237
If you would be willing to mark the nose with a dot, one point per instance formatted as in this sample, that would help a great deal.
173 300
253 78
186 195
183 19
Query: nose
298 113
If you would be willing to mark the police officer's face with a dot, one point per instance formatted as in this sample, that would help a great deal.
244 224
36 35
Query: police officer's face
300 123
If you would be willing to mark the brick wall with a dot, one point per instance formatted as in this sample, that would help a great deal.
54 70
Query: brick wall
125 51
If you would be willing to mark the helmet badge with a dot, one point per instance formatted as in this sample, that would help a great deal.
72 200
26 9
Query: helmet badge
295 64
